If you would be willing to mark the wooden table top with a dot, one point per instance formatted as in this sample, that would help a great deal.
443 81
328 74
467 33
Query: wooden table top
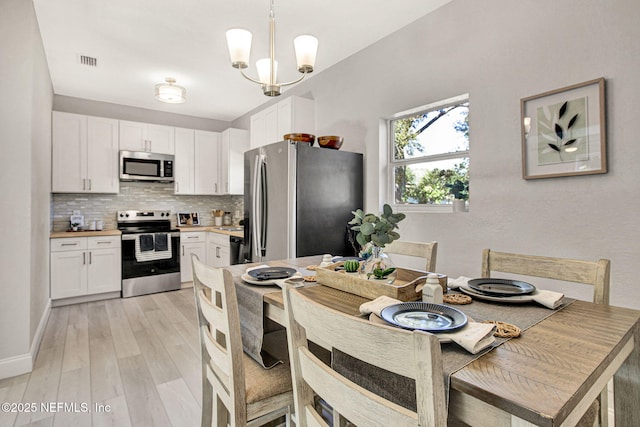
541 376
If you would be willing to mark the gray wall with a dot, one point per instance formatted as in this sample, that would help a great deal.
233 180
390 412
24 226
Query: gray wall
25 129
500 51
70 104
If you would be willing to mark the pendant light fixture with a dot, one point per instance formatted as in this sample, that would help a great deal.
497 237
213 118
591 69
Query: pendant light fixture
170 93
239 44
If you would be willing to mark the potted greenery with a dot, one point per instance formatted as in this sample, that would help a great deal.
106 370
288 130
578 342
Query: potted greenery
373 233
460 191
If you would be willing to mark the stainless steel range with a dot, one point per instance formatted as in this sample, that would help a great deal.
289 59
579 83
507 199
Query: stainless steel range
150 252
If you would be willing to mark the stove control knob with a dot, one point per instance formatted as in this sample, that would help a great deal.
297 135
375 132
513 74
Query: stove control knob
127 215
162 214
168 213
121 215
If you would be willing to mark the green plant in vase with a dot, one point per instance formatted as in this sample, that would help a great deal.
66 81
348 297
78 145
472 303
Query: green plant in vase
374 233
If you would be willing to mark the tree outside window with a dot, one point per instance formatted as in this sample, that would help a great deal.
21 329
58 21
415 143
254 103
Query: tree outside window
430 153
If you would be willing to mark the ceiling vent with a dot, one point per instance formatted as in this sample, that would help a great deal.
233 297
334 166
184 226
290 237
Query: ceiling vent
88 60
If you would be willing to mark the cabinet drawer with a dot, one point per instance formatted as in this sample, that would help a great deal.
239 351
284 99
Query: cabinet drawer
68 244
104 242
193 237
218 239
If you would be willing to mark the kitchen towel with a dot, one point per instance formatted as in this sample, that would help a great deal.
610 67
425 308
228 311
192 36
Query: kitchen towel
474 337
161 242
151 255
146 242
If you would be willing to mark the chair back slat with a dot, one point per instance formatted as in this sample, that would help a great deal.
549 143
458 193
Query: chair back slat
594 273
427 251
414 354
220 340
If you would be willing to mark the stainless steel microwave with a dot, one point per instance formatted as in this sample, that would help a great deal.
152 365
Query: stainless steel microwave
144 166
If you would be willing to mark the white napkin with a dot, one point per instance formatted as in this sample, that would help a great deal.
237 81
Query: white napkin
548 299
455 283
377 305
474 337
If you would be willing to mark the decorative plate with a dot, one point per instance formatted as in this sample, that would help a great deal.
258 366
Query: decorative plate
514 299
501 287
271 273
276 282
424 316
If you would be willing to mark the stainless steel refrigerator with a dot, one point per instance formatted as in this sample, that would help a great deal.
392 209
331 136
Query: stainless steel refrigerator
298 200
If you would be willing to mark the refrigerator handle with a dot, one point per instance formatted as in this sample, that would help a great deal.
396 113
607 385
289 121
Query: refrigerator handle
264 221
255 226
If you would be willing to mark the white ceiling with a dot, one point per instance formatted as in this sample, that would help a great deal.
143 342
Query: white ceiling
140 42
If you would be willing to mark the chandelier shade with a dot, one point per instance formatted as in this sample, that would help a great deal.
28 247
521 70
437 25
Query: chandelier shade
239 45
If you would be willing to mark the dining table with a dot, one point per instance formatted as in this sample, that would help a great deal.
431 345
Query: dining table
548 376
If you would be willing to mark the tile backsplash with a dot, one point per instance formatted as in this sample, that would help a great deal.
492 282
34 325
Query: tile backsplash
138 196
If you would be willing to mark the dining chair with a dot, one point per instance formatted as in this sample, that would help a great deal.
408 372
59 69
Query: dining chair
593 273
236 390
427 251
413 354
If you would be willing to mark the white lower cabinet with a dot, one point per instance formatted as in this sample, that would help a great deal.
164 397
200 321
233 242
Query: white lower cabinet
191 243
85 266
218 250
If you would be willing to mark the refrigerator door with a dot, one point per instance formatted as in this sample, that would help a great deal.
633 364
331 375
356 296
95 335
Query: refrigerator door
329 187
267 171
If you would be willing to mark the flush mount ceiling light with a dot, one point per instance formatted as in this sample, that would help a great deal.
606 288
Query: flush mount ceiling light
170 92
239 44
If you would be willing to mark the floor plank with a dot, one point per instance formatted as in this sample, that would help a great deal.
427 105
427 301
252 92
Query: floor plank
143 400
137 358
180 404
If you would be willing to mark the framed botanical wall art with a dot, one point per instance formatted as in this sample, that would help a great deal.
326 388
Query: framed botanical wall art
564 132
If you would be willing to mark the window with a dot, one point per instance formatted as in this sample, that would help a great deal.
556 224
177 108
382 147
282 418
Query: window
430 154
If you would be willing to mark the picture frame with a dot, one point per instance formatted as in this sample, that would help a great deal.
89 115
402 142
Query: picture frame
564 131
186 219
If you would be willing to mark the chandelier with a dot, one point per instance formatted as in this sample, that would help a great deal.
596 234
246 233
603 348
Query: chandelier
239 44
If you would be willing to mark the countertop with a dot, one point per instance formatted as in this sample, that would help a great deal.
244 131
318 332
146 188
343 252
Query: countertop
63 234
214 229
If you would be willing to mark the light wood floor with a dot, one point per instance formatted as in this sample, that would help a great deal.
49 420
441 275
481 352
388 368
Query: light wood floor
140 356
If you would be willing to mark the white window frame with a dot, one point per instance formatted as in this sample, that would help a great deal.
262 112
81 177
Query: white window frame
392 162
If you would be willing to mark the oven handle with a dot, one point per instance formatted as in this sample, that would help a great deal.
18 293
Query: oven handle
133 236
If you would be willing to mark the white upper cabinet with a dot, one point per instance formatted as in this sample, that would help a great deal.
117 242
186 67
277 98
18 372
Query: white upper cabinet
291 115
206 148
197 162
136 136
234 142
184 170
84 154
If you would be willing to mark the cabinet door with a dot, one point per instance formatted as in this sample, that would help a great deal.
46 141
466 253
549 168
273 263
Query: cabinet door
271 125
258 130
160 139
206 162
233 144
133 136
102 155
184 161
104 271
285 117
200 249
69 145
68 274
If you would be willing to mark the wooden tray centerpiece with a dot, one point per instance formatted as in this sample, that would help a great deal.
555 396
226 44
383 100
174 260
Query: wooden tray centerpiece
403 288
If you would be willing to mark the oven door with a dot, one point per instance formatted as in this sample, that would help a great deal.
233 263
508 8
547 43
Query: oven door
145 276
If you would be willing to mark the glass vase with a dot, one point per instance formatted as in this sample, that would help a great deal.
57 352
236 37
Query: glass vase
378 266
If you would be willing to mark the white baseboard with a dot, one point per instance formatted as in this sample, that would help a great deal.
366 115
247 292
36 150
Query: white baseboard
21 364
